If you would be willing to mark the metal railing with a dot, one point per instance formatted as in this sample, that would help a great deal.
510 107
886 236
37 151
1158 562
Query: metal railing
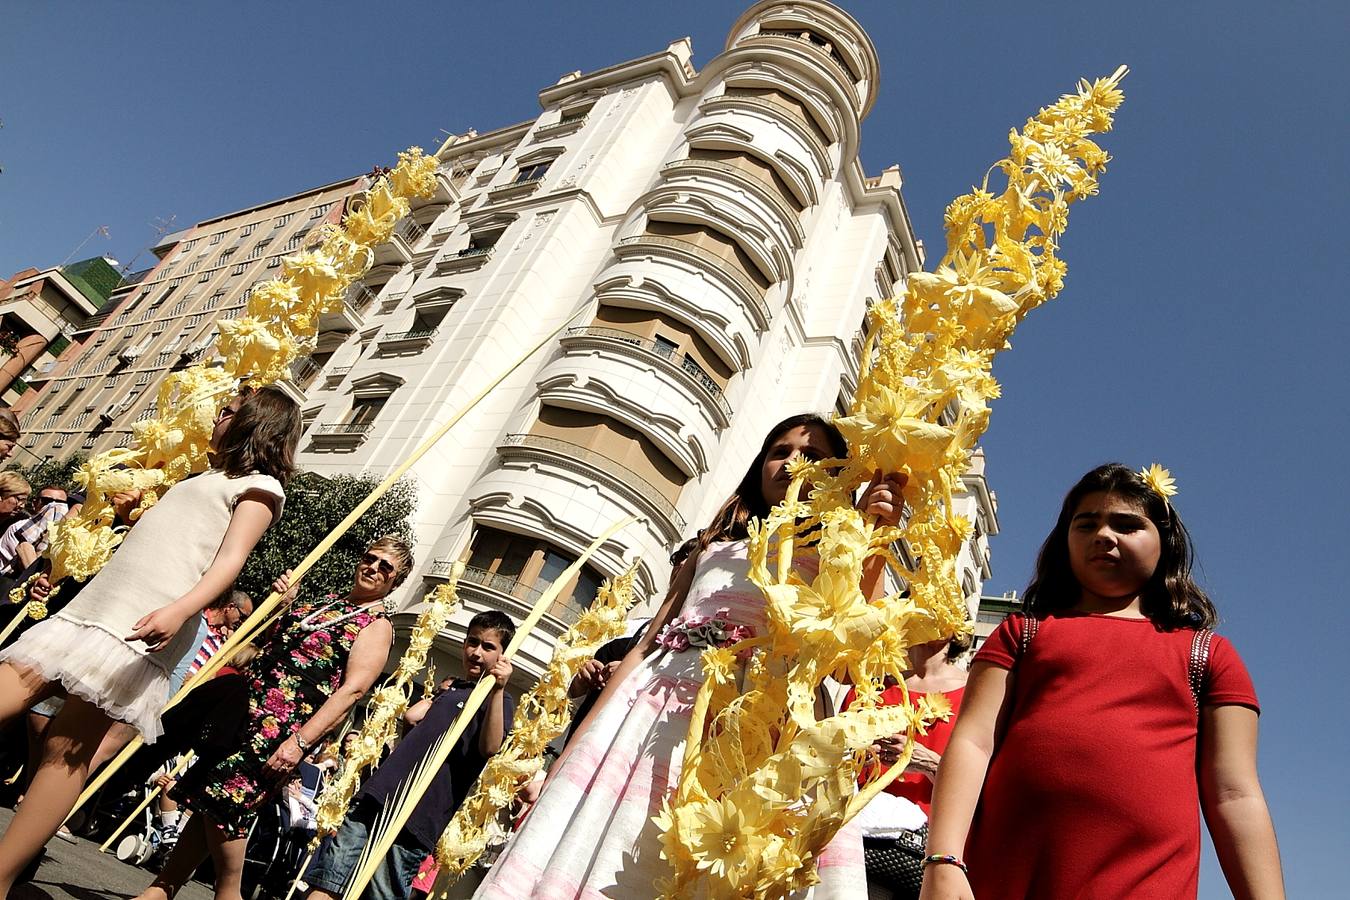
687 364
359 297
474 251
409 230
304 370
561 125
345 428
412 334
599 461
732 272
566 609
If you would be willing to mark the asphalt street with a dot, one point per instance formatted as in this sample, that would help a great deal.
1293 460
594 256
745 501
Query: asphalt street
77 871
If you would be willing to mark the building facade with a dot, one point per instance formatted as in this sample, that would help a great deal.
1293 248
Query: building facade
708 242
164 320
704 243
40 313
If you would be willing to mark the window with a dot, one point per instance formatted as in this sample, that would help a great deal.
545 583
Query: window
522 566
191 267
59 441
143 377
51 420
283 221
273 262
296 240
214 300
78 421
666 347
110 382
239 268
179 308
89 441
225 256
189 245
364 410
319 212
206 276
248 229
258 248
216 238
194 320
533 172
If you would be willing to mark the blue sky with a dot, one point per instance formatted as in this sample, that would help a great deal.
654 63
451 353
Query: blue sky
1201 324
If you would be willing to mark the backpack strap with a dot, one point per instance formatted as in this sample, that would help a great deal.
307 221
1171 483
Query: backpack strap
1030 625
1198 669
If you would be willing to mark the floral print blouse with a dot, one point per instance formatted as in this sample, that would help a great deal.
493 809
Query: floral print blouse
301 663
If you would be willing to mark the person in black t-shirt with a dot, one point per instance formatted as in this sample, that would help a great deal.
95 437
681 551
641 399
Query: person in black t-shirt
333 867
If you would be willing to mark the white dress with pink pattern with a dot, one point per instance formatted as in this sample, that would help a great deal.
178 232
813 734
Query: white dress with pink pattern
591 833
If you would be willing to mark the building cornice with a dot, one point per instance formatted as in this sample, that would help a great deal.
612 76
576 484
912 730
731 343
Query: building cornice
668 64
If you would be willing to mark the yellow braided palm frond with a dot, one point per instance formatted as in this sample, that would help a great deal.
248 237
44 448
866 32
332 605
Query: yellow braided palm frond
765 785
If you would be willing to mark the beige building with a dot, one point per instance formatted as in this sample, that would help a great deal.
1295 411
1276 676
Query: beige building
164 321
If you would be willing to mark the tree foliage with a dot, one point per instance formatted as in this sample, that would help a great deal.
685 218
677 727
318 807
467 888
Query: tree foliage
52 471
314 506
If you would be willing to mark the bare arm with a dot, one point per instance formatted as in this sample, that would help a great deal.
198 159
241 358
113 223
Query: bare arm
493 732
418 711
960 777
883 499
26 554
252 515
365 662
1234 807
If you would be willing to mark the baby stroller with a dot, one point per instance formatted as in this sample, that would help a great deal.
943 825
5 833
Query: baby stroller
278 843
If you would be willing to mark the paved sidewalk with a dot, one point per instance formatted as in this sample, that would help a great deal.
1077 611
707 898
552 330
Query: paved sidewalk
79 872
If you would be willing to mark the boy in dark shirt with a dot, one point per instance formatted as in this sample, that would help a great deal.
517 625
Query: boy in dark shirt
336 862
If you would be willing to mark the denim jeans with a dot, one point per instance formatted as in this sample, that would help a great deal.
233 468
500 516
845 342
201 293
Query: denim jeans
337 858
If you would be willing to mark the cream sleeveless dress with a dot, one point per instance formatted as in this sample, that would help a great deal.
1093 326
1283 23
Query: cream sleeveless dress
171 546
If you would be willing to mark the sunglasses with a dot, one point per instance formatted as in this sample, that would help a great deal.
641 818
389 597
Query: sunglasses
40 500
385 567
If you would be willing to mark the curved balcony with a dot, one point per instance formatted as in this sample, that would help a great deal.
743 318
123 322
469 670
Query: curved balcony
568 494
750 294
765 192
795 43
676 364
612 377
799 150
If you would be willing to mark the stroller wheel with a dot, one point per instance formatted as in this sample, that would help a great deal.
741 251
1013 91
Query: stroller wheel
133 849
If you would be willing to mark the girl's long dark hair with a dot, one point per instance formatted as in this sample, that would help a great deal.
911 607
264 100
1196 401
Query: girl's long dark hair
1171 599
729 524
261 436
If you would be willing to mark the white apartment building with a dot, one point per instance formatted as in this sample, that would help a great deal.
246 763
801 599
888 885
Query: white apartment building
709 240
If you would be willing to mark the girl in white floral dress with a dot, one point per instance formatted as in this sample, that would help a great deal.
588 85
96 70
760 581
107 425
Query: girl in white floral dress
591 835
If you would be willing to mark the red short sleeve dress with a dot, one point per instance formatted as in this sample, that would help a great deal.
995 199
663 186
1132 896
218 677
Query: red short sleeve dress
1092 791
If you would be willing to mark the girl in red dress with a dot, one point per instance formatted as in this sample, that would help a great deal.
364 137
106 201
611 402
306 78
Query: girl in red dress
1097 726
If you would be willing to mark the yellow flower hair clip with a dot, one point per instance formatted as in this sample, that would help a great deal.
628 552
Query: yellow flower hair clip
1160 481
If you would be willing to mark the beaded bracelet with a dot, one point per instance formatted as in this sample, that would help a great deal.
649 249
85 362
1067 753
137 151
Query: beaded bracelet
940 859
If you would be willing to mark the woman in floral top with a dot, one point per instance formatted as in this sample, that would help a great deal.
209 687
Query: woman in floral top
314 664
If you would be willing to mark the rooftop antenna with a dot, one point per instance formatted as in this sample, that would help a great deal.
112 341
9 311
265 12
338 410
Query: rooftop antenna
102 230
160 226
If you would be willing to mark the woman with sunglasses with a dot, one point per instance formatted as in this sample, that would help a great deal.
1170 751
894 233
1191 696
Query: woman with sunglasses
312 666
